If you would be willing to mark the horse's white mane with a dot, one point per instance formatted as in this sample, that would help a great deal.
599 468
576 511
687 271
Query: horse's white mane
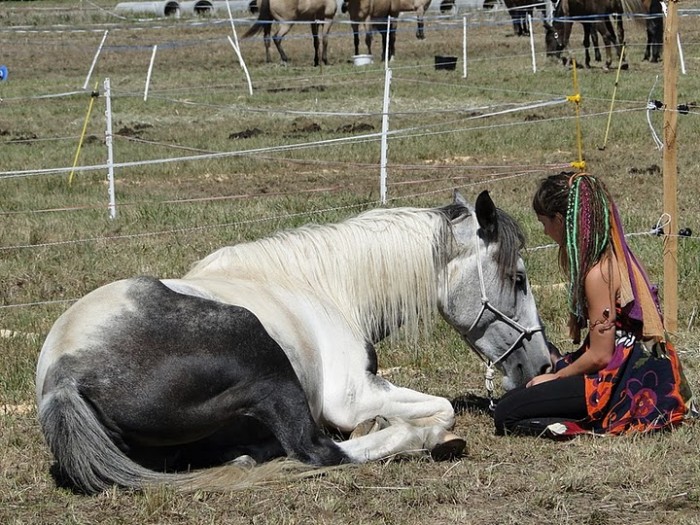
380 268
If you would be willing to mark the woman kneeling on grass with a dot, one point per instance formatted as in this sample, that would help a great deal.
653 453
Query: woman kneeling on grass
626 375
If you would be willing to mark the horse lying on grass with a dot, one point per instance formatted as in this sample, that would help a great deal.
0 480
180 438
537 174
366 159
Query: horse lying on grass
263 344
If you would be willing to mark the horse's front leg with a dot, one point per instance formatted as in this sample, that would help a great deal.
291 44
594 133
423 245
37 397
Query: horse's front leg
392 40
420 34
398 437
350 400
314 35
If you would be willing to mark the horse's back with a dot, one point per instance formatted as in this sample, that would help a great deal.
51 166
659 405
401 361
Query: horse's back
400 6
303 10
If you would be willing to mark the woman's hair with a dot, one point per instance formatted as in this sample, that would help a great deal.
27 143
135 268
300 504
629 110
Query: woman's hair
585 205
552 194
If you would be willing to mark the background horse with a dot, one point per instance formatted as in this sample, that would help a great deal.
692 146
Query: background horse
518 10
654 29
263 344
595 15
373 16
319 13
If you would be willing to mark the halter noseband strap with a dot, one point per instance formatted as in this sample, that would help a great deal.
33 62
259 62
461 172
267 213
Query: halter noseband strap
486 305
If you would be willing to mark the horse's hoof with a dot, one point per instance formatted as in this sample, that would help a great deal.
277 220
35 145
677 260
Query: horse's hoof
244 461
369 426
453 447
625 66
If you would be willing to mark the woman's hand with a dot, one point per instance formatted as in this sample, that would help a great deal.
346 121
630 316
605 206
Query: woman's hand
542 378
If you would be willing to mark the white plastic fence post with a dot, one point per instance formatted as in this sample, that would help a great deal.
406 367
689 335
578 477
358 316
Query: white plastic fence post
664 8
532 43
150 70
237 49
385 131
94 60
464 47
110 152
386 49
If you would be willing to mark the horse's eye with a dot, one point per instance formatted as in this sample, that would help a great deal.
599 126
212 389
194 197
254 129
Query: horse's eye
519 280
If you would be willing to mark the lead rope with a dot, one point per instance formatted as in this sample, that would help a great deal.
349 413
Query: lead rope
489 385
490 372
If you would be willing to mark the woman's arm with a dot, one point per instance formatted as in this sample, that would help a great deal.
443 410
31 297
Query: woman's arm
600 292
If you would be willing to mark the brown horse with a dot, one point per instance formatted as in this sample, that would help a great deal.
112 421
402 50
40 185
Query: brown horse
518 10
655 30
319 13
595 15
373 15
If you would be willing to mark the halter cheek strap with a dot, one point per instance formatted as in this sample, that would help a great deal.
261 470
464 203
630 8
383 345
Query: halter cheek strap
524 332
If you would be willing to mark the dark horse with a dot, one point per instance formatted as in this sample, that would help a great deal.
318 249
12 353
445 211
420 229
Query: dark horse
373 15
596 16
262 345
655 30
319 14
518 10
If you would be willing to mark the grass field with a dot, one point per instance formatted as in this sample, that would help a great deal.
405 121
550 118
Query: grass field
201 163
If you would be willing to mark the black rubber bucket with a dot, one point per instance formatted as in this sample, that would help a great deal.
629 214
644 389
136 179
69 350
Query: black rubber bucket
448 63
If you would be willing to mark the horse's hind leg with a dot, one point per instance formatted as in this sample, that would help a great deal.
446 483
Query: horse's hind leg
266 40
356 36
325 29
587 44
283 409
368 37
282 30
611 40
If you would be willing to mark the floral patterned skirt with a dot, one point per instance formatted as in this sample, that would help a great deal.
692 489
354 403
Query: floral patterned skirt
641 389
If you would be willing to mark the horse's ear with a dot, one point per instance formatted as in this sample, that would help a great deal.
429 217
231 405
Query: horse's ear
486 214
460 201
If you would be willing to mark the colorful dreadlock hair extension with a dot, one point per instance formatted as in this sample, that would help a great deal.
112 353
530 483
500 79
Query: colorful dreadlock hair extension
593 226
587 237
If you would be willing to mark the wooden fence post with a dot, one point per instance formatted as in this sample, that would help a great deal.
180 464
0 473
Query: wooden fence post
670 57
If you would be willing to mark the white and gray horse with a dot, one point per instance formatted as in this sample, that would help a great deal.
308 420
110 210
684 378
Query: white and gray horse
264 344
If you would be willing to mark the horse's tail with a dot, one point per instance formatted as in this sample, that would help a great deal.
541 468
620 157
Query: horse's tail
90 462
636 7
87 458
264 18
